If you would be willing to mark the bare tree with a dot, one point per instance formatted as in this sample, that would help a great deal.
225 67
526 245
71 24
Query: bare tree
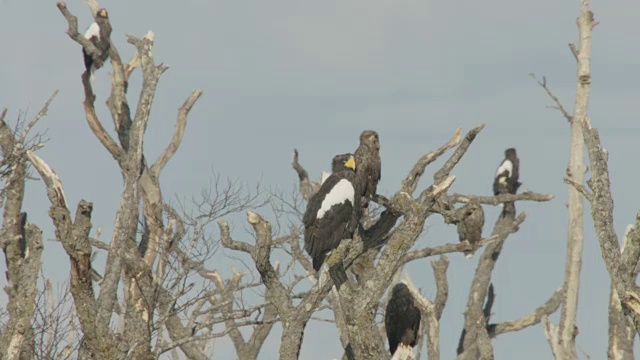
563 338
21 242
159 287
620 263
154 272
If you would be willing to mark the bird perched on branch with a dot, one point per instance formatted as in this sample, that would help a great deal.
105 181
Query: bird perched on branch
402 318
506 179
470 228
332 212
367 157
98 33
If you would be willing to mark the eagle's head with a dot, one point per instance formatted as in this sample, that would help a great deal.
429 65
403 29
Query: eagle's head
370 138
102 13
510 153
343 162
401 288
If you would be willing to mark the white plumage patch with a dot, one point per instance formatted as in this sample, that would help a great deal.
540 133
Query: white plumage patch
506 165
324 177
341 192
469 256
93 30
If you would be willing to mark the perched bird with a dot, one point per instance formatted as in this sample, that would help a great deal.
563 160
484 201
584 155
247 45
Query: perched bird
367 157
506 179
331 213
470 228
98 33
402 318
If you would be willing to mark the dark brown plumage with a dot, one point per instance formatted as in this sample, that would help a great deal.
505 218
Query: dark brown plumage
470 228
506 179
98 33
507 175
339 161
369 166
332 212
402 318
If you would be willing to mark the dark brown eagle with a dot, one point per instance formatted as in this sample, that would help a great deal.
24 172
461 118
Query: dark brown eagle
470 228
402 318
506 179
368 159
332 212
98 33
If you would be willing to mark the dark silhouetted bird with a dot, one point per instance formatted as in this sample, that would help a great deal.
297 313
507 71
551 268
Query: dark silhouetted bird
367 157
506 179
402 318
331 213
98 33
470 228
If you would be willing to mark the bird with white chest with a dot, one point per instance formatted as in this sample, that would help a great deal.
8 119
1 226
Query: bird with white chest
332 212
98 34
506 179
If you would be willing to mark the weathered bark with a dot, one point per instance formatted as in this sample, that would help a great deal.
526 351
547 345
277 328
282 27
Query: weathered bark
17 340
138 180
575 172
621 265
621 331
471 339
20 242
293 318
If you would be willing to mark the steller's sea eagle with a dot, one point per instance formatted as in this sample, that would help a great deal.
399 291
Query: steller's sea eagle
506 179
402 318
331 213
470 228
98 33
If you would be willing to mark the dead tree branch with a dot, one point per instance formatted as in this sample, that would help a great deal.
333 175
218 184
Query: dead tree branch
471 341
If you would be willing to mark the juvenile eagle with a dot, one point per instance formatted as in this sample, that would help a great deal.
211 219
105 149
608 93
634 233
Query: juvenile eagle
98 33
506 179
402 318
470 228
331 213
368 159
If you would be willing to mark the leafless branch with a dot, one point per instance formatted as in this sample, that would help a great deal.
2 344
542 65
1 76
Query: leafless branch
411 181
181 124
555 99
534 318
307 187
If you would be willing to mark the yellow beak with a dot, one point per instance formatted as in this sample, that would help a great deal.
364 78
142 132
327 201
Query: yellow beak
351 163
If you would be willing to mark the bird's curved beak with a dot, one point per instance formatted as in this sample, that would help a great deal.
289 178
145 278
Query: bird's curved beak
351 163
102 13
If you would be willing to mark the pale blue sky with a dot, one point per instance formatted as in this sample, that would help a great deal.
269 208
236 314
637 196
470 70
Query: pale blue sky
312 75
